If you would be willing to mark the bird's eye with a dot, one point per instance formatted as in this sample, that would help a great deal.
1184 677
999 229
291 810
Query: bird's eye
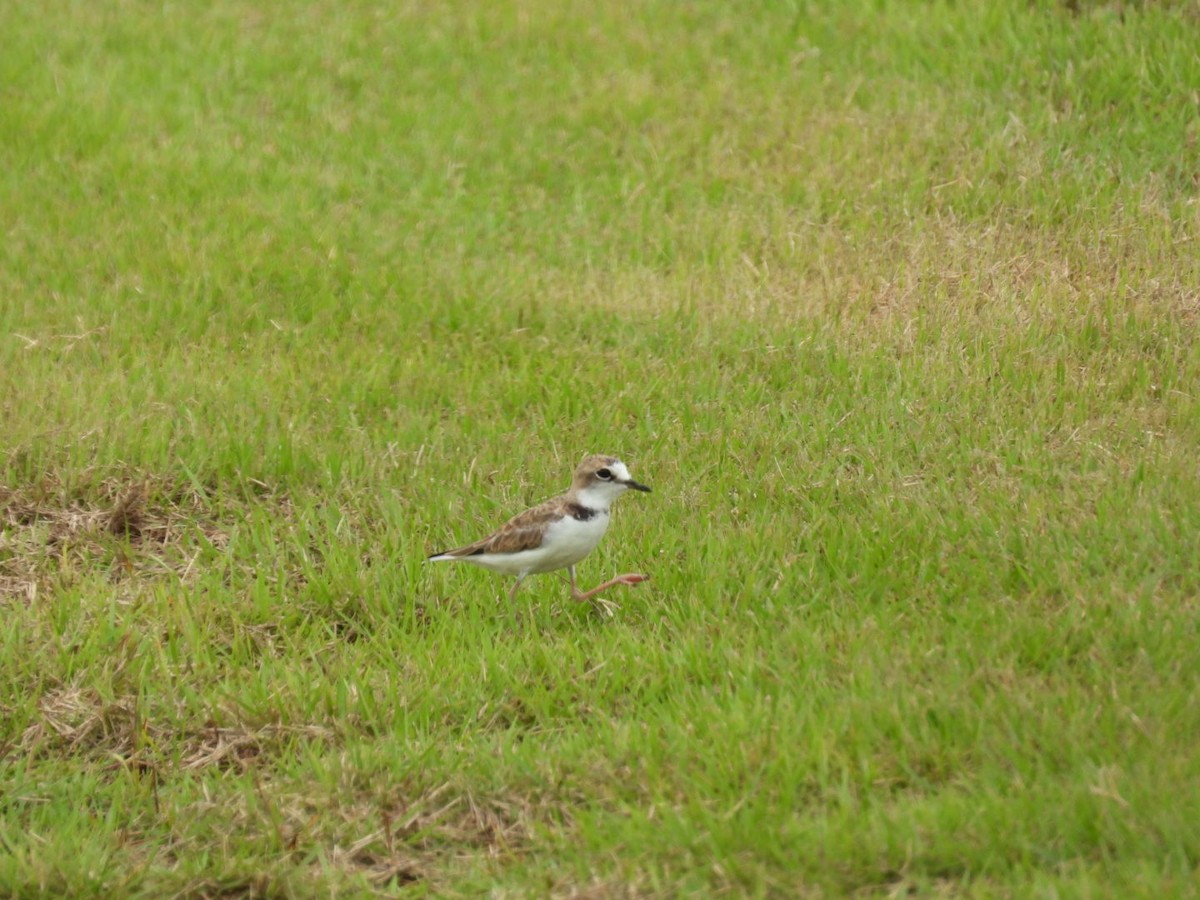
604 475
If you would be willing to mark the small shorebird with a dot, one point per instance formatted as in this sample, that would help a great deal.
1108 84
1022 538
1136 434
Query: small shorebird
558 533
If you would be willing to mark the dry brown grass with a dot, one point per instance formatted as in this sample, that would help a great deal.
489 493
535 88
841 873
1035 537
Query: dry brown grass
78 721
123 524
414 834
393 836
390 837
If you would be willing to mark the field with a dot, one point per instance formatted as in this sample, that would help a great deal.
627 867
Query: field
894 305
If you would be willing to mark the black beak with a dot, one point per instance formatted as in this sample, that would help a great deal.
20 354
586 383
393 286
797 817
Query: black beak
637 487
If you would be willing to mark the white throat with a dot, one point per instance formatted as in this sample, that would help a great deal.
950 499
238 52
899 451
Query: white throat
600 496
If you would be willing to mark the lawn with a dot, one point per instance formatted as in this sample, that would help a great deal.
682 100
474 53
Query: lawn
894 305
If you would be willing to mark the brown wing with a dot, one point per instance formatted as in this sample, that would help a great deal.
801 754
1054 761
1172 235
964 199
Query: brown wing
521 532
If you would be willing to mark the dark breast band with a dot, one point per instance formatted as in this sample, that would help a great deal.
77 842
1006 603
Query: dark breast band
582 513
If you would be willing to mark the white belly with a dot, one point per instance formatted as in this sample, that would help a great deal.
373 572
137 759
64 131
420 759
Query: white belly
567 541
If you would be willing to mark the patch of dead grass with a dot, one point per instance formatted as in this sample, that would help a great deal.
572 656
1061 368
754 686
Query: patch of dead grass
953 270
414 836
124 525
238 746
390 836
78 721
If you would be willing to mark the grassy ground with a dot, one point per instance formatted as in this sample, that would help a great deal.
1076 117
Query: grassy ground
893 304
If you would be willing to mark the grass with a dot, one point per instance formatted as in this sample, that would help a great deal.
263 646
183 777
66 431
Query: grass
894 305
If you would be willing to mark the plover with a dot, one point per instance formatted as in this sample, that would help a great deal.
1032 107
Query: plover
558 533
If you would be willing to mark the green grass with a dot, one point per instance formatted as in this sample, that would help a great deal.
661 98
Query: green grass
893 304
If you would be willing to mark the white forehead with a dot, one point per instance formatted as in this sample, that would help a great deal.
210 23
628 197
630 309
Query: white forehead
620 472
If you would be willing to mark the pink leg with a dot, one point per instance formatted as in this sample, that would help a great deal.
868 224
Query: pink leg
512 595
630 580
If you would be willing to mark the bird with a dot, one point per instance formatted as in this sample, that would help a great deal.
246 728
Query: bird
558 533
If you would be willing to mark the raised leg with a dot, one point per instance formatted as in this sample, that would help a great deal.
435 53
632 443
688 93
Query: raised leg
603 605
630 580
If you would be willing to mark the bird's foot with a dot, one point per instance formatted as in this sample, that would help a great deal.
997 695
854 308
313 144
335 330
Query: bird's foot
629 580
